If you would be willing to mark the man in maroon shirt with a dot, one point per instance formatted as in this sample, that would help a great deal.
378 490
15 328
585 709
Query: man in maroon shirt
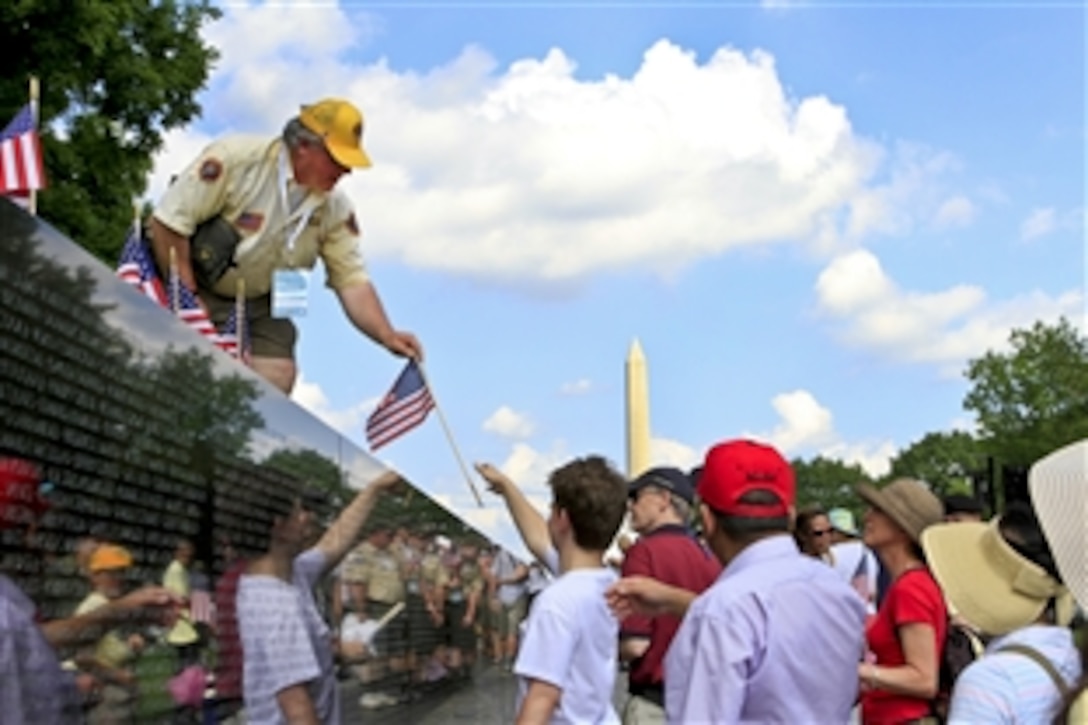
660 502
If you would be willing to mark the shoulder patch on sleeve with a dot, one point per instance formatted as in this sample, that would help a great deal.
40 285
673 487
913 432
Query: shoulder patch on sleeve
352 225
210 170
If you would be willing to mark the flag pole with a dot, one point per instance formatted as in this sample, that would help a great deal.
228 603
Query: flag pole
175 293
449 436
240 318
32 199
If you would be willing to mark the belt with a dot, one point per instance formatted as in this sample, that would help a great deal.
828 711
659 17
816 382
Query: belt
652 692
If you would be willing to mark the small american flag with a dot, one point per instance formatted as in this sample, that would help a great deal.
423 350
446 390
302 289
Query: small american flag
404 407
21 167
138 269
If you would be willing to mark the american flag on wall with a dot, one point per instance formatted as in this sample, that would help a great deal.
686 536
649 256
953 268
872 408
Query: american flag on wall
404 407
138 269
21 166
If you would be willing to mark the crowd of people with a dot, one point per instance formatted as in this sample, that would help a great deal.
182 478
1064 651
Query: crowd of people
727 605
928 613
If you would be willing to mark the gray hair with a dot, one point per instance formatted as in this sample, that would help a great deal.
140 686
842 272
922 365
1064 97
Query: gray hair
295 135
681 507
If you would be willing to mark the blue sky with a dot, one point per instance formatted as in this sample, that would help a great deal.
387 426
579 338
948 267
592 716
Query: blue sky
809 215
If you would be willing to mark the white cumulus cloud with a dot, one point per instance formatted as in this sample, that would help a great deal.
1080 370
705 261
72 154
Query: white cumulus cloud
1038 224
669 452
957 211
806 427
349 420
580 386
944 327
509 423
528 172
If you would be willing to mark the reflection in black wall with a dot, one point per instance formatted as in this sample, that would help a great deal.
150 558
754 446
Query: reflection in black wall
140 433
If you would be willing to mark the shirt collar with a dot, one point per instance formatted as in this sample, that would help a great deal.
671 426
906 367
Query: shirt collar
764 550
670 529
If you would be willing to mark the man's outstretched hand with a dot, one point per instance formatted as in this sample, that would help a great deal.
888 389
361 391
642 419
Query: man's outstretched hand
497 481
404 344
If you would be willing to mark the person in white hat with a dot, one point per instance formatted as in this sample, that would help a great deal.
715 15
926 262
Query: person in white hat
1058 485
1002 577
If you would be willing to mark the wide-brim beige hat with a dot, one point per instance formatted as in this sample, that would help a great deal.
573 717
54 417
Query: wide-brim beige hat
907 502
988 583
1058 485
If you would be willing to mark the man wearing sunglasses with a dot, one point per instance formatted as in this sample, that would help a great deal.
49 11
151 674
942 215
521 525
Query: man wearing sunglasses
659 506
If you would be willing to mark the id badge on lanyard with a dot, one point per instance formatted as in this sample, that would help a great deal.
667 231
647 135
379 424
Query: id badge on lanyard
290 286
290 292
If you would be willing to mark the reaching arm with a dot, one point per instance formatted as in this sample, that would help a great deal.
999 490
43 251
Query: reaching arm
540 702
531 525
365 310
296 705
631 648
643 595
521 573
919 676
163 238
147 604
342 534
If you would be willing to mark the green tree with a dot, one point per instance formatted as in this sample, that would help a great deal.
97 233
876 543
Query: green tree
828 482
313 469
115 75
946 461
1034 398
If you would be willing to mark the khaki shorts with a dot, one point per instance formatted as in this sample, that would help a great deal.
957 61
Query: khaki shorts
268 336
511 617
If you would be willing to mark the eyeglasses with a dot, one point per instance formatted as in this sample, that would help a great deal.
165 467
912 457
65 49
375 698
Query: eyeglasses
820 532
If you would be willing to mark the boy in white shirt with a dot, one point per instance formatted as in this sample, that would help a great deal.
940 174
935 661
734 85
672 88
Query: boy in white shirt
567 664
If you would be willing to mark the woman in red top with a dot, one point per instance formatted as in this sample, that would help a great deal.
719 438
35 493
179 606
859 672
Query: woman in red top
900 677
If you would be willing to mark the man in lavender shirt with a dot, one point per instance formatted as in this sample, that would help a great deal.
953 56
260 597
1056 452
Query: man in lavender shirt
778 636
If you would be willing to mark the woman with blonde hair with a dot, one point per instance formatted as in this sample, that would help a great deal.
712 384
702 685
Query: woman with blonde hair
900 677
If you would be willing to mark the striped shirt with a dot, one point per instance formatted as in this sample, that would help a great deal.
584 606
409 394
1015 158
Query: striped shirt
1009 687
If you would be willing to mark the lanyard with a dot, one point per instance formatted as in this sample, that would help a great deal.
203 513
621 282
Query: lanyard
305 209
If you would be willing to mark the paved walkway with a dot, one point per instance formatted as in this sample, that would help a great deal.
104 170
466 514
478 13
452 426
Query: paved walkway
487 699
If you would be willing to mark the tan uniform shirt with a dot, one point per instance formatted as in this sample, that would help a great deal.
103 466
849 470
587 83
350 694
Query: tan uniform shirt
472 579
432 575
378 569
240 178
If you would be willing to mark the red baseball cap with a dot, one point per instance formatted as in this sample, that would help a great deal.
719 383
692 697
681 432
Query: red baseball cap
737 467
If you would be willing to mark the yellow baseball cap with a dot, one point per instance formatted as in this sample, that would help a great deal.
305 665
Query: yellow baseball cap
340 124
110 556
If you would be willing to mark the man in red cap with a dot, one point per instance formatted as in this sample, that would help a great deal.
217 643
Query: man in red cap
778 636
251 215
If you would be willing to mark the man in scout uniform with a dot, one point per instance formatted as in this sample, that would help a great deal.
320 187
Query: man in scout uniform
463 597
251 215
375 585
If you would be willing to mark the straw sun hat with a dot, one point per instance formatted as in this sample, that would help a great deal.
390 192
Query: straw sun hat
907 502
993 586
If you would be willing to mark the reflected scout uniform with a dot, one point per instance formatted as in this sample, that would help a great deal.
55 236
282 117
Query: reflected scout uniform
415 613
248 181
379 570
466 584
433 580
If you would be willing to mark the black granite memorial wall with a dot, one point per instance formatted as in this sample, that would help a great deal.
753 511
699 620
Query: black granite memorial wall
119 423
